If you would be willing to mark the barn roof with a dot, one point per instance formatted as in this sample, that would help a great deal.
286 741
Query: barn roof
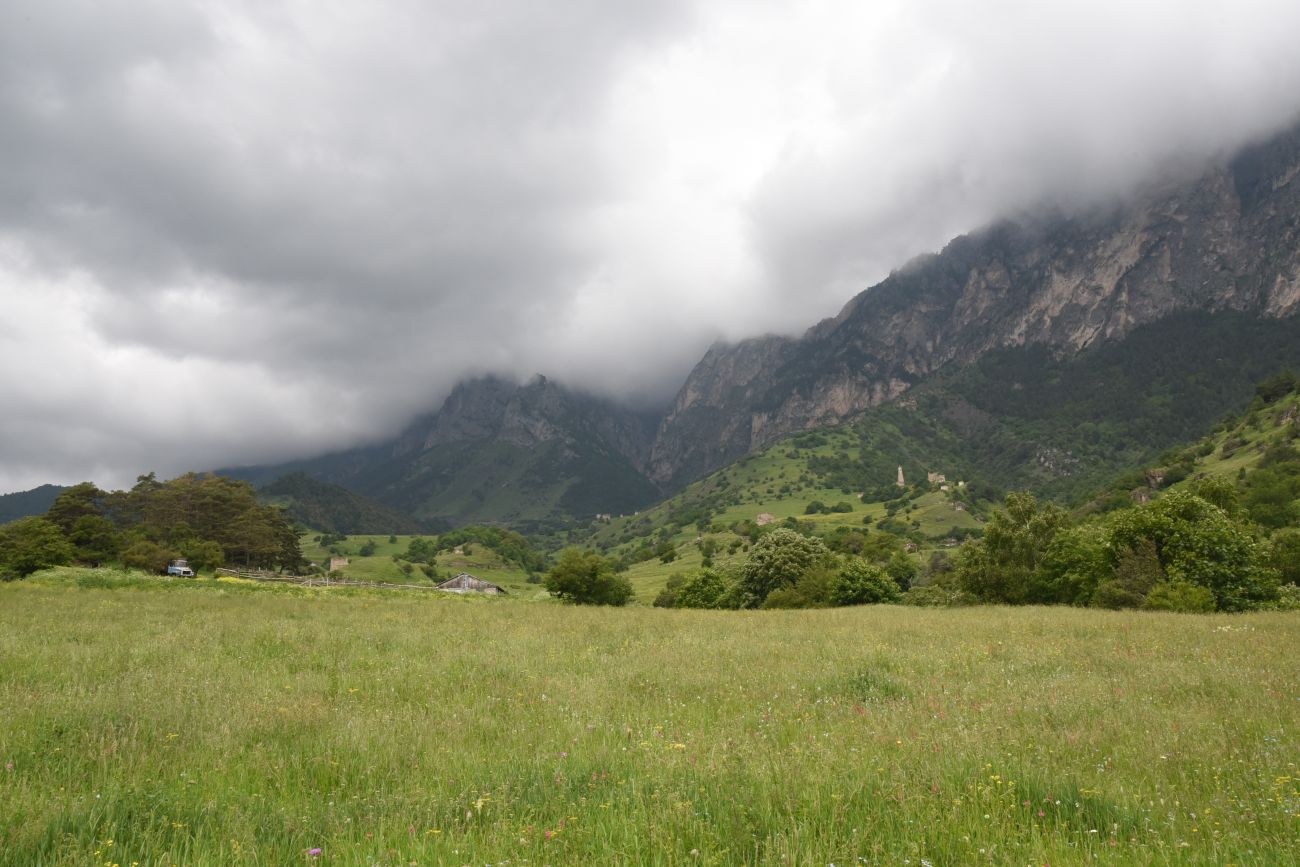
465 581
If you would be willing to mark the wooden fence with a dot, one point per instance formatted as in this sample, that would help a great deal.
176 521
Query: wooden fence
318 581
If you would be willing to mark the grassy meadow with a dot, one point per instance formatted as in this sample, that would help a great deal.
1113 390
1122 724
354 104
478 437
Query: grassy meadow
156 722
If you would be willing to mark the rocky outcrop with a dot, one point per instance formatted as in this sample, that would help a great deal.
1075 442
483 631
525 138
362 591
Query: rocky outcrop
530 415
1226 240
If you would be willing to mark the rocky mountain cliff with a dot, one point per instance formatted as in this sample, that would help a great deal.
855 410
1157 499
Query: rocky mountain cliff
1226 240
529 416
1223 246
497 451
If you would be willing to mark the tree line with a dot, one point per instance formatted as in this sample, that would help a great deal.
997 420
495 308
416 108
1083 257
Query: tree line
208 520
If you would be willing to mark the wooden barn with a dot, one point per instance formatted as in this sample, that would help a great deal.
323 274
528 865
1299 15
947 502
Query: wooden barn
467 583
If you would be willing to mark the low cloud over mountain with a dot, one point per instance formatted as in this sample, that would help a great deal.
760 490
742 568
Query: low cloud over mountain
241 232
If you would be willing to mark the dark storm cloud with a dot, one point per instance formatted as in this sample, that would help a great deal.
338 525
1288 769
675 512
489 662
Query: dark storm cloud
1012 106
247 231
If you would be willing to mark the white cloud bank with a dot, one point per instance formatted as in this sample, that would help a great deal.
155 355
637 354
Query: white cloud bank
247 231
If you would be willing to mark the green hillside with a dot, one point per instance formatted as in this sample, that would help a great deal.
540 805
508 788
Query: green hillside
1018 420
1021 419
722 514
1256 451
333 508
476 481
21 504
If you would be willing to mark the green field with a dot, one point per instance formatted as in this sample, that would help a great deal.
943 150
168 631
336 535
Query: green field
158 722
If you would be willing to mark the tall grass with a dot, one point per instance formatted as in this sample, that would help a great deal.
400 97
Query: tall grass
216 724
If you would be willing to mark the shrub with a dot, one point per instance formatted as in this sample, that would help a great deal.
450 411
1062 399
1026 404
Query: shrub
1136 572
902 569
930 596
1198 542
147 556
863 583
779 559
30 544
709 588
204 555
586 578
816 588
1288 598
1073 566
1179 596
1284 556
667 597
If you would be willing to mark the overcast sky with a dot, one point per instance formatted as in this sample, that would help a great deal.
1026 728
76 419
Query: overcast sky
236 232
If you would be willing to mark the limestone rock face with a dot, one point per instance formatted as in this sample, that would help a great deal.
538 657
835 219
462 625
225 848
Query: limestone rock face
1228 239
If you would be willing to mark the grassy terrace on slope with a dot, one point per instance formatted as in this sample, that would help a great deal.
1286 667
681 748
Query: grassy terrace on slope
215 724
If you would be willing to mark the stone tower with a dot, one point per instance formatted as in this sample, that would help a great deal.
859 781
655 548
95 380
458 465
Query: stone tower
900 482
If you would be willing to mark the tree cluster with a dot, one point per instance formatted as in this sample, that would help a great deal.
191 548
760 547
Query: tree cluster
787 569
208 520
510 546
1191 550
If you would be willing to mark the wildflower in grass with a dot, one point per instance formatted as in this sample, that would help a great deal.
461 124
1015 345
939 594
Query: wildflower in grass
314 853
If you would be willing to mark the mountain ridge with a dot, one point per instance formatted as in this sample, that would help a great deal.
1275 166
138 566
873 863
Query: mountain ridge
1066 282
498 452
1226 241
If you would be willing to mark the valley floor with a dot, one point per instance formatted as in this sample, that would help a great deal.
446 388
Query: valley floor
208 723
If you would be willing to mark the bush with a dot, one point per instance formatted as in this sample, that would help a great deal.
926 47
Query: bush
1288 598
1136 572
709 588
1074 564
863 583
1284 556
931 596
1179 596
667 597
30 544
204 555
147 556
1198 542
779 559
586 578
902 569
815 589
